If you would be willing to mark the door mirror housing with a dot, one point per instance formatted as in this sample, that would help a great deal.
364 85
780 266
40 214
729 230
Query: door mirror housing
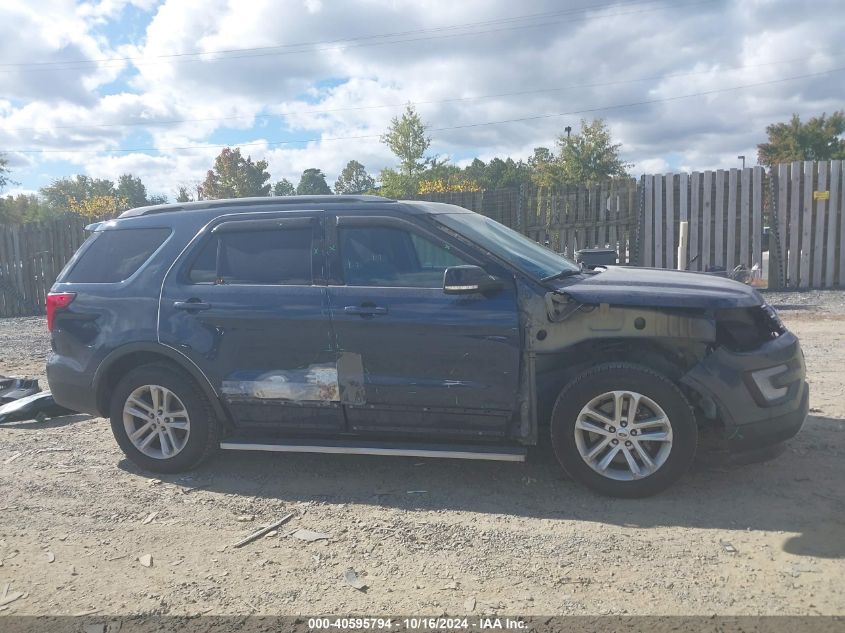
467 280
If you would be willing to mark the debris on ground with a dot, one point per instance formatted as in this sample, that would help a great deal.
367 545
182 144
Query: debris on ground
469 604
310 535
39 406
146 560
51 557
8 597
353 580
246 518
728 547
264 530
16 388
149 518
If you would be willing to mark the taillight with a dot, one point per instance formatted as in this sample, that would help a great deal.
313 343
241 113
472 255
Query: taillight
57 301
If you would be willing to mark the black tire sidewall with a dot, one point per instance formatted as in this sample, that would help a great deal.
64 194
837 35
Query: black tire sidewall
201 418
629 377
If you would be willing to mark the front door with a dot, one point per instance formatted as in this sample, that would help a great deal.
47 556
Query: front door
431 365
248 305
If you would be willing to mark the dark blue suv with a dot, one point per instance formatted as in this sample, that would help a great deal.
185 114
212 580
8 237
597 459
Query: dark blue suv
358 324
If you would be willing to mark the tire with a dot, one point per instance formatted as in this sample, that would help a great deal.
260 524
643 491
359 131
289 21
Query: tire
669 455
181 443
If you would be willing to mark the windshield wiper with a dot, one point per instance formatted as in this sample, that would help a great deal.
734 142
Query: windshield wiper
562 274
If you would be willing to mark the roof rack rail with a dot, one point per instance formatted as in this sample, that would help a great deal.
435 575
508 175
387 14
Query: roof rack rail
202 205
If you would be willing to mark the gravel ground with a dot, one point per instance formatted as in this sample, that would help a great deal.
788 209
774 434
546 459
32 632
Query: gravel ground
430 536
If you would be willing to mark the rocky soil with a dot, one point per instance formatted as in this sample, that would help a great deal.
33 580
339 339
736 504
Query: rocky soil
82 530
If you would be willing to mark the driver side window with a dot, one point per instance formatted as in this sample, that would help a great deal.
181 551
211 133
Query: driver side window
391 257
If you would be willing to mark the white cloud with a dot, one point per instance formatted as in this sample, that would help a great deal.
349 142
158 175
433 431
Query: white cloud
677 50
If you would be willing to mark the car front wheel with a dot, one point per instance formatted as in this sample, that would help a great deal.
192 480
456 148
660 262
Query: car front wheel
624 430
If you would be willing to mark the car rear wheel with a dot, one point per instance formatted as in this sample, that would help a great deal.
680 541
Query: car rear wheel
624 430
162 421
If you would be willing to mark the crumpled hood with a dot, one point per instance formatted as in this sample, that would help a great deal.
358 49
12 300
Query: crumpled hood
622 285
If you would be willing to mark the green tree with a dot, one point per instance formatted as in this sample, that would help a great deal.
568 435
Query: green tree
4 172
63 193
234 176
284 187
23 208
354 179
183 195
313 182
542 167
407 140
498 173
588 157
820 138
131 189
394 184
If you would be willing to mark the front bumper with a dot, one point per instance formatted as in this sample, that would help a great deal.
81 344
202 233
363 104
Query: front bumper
752 418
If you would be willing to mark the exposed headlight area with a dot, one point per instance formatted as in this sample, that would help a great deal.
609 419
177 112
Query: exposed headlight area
746 329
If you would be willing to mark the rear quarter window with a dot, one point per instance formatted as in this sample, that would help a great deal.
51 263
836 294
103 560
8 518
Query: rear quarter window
115 255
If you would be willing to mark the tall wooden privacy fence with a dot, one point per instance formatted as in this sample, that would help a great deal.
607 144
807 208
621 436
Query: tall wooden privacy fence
31 257
566 219
810 221
724 209
727 211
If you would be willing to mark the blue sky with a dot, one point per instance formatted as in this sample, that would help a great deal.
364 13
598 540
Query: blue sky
493 73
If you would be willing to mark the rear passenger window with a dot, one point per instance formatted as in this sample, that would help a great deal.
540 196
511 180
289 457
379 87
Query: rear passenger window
115 255
280 257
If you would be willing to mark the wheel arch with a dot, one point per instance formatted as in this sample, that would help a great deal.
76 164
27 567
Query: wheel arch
125 358
669 357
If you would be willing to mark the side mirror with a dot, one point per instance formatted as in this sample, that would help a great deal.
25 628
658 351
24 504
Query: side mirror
467 280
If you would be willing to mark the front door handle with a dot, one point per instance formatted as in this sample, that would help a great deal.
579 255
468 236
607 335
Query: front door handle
365 310
191 305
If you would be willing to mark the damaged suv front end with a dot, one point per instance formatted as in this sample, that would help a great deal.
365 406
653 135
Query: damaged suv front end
742 369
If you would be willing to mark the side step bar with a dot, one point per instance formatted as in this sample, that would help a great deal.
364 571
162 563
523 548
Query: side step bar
453 451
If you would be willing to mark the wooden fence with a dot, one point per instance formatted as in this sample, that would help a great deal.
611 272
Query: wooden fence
569 219
803 203
724 209
31 257
810 223
565 219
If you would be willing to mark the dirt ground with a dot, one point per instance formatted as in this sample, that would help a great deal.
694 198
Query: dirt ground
426 537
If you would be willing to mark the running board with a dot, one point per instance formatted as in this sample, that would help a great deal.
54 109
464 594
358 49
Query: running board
455 451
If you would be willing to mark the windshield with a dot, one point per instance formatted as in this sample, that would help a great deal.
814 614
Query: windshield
523 252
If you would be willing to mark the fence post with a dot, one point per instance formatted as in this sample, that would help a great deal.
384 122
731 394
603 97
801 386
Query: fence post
776 276
637 250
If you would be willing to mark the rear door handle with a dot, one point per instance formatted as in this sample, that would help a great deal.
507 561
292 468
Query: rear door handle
365 310
191 304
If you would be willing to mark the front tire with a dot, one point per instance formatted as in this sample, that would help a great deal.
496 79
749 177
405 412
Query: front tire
162 421
624 430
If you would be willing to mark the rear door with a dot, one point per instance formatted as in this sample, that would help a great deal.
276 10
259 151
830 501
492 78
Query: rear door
248 305
432 365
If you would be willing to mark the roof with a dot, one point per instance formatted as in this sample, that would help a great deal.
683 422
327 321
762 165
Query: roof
205 205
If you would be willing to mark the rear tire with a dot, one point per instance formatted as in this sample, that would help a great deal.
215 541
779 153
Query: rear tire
601 443
162 421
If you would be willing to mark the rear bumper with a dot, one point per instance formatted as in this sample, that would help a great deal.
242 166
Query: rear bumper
755 417
70 384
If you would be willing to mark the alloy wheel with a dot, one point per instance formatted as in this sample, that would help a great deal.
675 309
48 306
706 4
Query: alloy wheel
156 421
623 435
